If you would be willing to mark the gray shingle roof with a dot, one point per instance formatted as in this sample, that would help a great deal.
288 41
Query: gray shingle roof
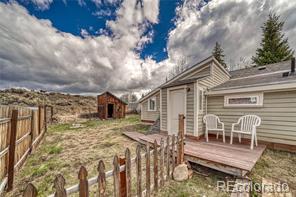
248 77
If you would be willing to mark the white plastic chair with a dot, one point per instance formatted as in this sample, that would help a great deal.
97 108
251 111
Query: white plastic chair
248 124
211 121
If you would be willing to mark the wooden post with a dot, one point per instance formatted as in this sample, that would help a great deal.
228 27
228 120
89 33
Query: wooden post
101 179
30 191
116 173
39 120
83 183
32 130
155 155
168 156
122 178
173 154
128 172
161 162
148 182
45 119
51 114
59 185
181 139
139 171
11 154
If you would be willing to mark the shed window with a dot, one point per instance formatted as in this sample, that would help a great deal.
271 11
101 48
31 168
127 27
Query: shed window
252 100
152 104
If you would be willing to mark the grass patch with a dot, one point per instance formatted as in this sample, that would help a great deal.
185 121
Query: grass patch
54 149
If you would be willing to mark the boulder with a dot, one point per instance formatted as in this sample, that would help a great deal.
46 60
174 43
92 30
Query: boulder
181 173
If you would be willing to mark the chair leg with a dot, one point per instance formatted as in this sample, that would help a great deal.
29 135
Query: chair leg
240 138
252 140
231 136
217 135
223 136
256 142
207 136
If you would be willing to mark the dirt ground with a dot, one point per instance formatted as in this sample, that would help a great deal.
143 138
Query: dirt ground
65 149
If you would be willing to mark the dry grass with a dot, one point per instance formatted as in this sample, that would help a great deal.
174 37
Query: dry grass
64 150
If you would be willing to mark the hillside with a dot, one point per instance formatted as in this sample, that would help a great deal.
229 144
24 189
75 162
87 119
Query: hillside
66 106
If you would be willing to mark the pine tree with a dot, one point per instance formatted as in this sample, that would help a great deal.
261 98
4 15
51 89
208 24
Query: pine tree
219 54
274 47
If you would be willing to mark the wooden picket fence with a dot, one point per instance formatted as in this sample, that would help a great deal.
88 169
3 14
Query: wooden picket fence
21 130
165 156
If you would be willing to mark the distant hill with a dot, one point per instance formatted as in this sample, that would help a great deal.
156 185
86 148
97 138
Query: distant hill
66 106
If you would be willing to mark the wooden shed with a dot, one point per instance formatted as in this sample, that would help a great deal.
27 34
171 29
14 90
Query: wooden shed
110 106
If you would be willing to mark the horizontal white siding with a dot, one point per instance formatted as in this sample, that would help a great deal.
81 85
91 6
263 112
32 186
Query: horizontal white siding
278 116
164 110
151 115
190 109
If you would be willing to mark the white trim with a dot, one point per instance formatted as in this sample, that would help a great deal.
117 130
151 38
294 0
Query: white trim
155 106
258 96
268 87
184 87
160 109
200 89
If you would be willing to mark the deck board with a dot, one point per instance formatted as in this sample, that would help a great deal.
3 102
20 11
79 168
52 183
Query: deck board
236 156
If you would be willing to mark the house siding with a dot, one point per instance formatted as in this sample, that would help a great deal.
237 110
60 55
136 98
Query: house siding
190 109
164 109
150 115
278 116
199 73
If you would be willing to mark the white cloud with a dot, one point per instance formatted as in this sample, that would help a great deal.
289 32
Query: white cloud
42 4
236 24
36 55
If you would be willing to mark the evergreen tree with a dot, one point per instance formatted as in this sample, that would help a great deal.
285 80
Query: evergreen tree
274 47
219 54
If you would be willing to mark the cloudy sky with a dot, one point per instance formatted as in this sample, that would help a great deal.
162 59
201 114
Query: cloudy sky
88 46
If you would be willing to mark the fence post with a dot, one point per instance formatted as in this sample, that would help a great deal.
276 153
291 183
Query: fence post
181 139
11 155
161 162
168 156
59 185
51 114
128 172
30 191
45 119
122 178
116 172
32 129
83 183
102 179
139 171
155 154
39 120
173 154
148 182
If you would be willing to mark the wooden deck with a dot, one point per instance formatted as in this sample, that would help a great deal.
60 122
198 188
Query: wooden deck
236 159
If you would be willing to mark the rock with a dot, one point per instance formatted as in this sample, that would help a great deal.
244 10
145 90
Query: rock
181 173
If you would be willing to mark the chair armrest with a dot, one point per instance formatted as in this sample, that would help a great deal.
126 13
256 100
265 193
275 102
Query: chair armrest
222 124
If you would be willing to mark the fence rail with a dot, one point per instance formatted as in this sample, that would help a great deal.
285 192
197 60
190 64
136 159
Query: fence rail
163 165
21 130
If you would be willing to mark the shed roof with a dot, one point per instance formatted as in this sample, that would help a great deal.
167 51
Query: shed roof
107 92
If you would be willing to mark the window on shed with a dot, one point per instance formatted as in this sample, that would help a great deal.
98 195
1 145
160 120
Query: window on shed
152 104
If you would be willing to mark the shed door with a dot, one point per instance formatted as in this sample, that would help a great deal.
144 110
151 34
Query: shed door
177 106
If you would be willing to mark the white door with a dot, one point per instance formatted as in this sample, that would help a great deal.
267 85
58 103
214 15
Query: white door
177 106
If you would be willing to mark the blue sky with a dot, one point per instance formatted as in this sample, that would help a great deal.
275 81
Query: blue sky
90 46
72 16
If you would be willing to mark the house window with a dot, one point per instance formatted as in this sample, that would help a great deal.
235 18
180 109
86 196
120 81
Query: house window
252 100
152 104
200 100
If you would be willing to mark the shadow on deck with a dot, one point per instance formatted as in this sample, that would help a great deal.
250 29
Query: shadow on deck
236 159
